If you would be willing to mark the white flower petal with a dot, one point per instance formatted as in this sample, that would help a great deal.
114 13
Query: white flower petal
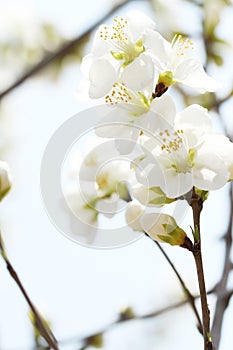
195 121
210 171
133 214
116 124
139 74
191 73
177 184
100 46
221 146
137 23
160 48
165 106
102 75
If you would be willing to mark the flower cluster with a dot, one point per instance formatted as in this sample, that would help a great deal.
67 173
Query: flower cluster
131 67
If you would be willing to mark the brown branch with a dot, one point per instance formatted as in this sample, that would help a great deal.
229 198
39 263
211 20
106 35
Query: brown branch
196 204
60 52
45 332
221 289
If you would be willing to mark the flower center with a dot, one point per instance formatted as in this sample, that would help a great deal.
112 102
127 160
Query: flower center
120 94
181 45
173 144
116 33
118 36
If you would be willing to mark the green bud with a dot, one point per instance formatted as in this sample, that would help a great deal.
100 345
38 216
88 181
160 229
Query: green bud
127 314
95 340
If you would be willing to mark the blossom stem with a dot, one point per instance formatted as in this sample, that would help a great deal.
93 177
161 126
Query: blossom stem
196 204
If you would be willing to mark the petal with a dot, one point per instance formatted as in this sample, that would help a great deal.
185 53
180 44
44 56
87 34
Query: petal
133 214
138 74
191 73
161 49
195 121
102 75
100 46
221 146
176 184
210 171
138 22
165 106
116 124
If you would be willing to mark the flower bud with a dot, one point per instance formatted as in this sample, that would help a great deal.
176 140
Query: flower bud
96 341
5 179
163 228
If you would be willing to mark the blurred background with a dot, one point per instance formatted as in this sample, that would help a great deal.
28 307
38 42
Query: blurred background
81 291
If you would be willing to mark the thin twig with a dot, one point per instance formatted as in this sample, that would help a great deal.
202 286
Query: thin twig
44 330
189 296
60 52
153 314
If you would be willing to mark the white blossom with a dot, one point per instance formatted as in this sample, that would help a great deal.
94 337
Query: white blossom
176 160
118 53
134 113
176 62
163 228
